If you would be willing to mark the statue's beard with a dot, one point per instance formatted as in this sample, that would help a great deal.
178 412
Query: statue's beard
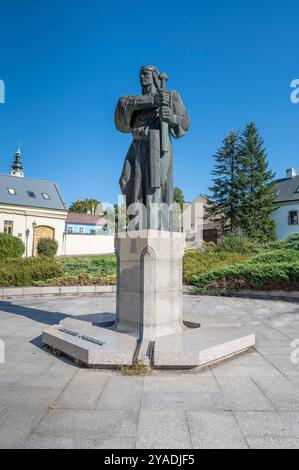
149 89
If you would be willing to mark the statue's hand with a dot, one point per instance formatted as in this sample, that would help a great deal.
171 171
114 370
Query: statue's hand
167 115
162 99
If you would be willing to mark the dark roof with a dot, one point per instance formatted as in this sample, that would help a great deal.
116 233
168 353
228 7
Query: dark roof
85 219
287 189
21 186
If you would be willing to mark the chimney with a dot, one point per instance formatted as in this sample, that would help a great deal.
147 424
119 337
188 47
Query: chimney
291 173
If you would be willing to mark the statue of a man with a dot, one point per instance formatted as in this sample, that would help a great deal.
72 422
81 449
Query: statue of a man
147 175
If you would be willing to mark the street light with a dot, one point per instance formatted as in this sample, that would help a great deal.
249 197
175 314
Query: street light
34 224
27 233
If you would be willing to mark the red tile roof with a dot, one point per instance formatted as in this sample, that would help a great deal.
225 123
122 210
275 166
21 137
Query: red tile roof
85 219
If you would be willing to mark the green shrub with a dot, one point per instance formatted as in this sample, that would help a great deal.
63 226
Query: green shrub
10 247
237 244
196 261
47 247
248 274
276 256
292 242
28 272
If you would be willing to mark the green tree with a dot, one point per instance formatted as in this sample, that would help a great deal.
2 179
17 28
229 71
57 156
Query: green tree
87 206
258 187
178 197
223 204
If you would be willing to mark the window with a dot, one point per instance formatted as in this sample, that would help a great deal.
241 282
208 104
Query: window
11 191
69 229
8 227
293 218
297 191
81 230
46 196
31 194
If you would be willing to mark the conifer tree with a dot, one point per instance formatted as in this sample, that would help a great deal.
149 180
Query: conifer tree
224 201
258 187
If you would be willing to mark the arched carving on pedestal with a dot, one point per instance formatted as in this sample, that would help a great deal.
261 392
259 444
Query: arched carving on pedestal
148 290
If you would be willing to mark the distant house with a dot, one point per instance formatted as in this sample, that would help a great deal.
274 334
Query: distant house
31 209
286 216
85 224
197 220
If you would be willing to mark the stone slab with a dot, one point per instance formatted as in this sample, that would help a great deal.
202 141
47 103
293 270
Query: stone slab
201 347
102 347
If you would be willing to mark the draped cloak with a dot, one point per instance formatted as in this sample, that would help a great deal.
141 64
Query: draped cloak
147 175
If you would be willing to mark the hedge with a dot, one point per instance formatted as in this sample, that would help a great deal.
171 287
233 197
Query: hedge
255 273
28 272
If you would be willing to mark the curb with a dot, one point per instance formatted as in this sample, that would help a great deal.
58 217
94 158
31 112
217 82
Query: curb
17 292
248 294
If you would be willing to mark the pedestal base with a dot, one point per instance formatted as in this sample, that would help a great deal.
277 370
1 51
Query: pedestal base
94 346
149 325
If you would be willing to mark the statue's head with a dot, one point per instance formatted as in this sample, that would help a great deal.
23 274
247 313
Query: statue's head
149 75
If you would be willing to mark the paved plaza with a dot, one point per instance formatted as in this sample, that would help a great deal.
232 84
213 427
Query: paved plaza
250 401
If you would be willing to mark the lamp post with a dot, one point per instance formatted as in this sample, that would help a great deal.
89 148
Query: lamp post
34 224
27 233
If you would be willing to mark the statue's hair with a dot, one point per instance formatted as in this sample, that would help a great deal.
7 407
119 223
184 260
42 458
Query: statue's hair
155 73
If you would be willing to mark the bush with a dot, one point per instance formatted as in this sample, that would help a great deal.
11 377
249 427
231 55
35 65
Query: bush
237 244
10 247
196 261
249 275
292 242
28 272
47 247
275 256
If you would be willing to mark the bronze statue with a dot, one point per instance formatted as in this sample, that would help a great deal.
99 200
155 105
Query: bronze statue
152 118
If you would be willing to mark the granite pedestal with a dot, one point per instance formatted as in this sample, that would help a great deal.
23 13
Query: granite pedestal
149 323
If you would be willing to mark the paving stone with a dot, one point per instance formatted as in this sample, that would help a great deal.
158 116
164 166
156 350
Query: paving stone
41 441
268 424
83 392
219 428
92 423
273 443
282 394
122 393
17 422
242 394
167 427
284 364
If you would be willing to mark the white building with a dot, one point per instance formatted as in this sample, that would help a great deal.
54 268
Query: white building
31 209
286 216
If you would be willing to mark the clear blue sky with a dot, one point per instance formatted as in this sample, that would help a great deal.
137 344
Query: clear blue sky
66 62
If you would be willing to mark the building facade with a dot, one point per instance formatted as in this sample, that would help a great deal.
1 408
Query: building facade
31 209
85 224
286 216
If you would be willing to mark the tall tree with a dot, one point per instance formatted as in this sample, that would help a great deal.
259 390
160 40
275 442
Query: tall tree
258 192
224 201
178 197
87 206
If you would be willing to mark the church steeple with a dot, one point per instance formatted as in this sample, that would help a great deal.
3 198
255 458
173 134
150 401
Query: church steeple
17 166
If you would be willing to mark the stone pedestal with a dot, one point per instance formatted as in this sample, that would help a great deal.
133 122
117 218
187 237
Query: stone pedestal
149 283
149 324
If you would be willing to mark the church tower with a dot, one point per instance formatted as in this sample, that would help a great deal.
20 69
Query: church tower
17 166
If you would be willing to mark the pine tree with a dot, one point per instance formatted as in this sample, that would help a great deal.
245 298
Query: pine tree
223 203
258 193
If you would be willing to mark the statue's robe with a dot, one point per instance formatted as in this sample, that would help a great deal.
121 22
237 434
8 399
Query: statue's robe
147 175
